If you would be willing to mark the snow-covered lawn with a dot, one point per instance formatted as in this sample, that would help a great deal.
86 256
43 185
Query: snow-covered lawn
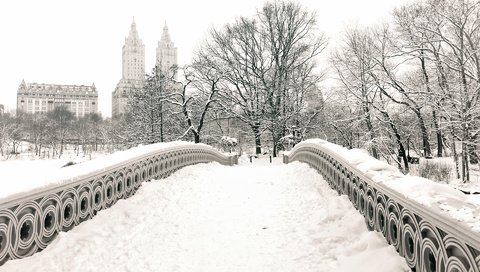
25 174
208 217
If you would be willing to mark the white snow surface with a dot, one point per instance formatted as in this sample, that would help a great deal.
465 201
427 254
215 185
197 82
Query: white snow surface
20 177
462 208
209 217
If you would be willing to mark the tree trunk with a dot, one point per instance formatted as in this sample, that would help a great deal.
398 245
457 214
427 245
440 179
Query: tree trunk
472 151
152 132
258 145
196 137
61 148
465 168
275 146
404 156
78 146
398 140
36 147
96 142
438 132
368 121
161 122
455 155
425 142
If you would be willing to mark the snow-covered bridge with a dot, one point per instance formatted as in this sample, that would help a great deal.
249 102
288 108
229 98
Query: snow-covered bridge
248 217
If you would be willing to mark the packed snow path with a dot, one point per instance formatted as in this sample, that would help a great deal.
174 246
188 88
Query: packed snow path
251 217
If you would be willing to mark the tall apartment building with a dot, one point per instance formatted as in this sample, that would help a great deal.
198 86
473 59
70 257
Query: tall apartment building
166 52
40 98
133 65
133 70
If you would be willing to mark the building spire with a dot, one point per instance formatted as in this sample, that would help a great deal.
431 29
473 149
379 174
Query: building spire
134 24
133 27
166 52
165 39
133 37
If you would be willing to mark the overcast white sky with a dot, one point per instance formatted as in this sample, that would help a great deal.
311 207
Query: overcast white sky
80 42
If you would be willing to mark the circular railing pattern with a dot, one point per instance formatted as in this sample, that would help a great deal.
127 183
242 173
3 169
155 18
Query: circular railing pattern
427 240
28 224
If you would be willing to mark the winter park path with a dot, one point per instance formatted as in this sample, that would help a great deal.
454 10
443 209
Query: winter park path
209 217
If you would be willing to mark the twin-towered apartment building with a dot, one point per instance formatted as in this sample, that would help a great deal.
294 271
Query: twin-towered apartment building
81 99
133 65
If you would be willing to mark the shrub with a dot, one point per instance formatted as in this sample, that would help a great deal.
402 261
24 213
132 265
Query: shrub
69 163
436 171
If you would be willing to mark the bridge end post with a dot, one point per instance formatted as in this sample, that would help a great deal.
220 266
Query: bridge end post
285 159
233 160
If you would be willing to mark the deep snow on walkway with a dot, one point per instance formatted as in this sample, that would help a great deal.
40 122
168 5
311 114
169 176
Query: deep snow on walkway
208 217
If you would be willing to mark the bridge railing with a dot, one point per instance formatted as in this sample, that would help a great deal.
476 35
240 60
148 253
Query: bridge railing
30 221
427 239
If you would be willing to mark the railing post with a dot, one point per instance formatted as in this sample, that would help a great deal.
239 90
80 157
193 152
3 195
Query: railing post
285 158
233 160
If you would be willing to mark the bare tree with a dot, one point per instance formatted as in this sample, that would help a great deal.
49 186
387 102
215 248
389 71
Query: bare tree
11 132
450 31
429 66
196 95
62 120
414 41
37 130
238 50
146 115
389 64
353 63
267 61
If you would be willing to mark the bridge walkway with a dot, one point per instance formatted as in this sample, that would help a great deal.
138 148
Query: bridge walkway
209 217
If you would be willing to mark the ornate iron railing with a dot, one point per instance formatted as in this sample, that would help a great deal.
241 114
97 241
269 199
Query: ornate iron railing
30 221
429 241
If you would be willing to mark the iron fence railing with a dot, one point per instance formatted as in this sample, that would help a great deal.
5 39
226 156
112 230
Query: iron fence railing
428 240
30 221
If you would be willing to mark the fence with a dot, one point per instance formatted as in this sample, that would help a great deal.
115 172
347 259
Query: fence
30 221
429 241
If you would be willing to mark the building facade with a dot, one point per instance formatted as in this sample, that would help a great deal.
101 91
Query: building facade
41 98
133 70
166 52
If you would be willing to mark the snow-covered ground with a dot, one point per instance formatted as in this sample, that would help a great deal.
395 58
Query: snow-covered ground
250 217
25 173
